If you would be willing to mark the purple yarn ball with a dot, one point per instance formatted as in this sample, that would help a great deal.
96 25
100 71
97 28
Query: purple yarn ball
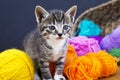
98 38
112 40
83 45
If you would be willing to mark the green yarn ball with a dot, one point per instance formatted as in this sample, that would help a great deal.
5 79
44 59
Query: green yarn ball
115 52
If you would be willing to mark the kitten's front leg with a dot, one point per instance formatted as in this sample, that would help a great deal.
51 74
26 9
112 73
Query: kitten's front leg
46 75
59 69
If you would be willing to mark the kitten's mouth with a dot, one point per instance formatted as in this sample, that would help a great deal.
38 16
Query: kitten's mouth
58 38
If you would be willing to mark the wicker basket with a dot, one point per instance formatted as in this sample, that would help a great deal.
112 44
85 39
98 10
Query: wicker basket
106 15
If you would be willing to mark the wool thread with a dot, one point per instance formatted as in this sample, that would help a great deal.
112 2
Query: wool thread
83 45
15 65
98 38
91 66
88 28
111 40
116 53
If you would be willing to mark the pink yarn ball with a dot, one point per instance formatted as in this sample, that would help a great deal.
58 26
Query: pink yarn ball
83 45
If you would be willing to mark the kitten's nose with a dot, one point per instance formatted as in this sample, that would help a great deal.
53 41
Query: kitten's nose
60 34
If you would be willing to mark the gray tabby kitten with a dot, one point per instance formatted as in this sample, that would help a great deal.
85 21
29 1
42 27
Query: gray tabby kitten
48 42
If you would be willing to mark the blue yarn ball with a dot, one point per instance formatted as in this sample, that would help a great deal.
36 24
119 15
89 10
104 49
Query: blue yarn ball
88 28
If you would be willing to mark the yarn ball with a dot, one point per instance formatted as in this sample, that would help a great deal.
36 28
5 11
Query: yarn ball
112 40
109 64
84 45
98 38
15 65
91 66
88 28
116 53
84 68
71 55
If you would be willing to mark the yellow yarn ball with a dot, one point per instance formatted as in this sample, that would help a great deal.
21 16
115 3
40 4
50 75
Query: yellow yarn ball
15 65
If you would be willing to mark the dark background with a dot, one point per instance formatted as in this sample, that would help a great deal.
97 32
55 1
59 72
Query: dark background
17 17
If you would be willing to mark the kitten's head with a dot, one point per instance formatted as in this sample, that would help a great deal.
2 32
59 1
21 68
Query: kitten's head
55 24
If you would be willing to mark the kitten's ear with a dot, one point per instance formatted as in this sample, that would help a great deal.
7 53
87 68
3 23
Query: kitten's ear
40 13
72 12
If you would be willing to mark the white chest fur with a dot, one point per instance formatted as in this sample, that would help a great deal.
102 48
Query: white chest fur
57 46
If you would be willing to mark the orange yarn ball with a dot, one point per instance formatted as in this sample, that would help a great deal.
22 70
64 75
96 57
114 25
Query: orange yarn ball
109 64
84 68
91 66
71 55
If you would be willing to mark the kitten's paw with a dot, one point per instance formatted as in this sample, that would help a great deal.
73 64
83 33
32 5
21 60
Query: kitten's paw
59 77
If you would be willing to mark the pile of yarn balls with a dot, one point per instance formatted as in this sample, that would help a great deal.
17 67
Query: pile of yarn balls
90 56
90 66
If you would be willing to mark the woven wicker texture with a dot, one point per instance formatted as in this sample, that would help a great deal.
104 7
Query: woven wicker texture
106 15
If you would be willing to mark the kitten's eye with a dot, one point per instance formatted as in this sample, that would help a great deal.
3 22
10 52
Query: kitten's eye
65 27
52 27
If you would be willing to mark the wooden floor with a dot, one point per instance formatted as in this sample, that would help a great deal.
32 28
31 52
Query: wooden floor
113 77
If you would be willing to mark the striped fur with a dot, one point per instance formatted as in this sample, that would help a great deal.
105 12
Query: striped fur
48 43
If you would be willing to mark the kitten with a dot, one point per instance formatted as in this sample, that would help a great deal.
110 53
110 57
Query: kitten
48 42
